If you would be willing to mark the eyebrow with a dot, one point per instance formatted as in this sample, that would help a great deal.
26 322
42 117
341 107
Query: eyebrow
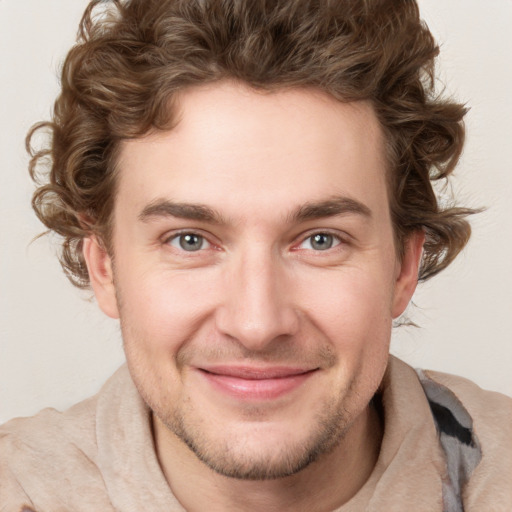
336 206
166 208
309 211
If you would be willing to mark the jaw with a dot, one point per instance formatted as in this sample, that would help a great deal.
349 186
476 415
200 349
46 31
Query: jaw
350 460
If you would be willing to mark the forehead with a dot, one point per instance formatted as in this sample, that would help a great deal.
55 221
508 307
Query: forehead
266 149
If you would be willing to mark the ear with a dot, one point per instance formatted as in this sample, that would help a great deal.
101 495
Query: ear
99 266
407 277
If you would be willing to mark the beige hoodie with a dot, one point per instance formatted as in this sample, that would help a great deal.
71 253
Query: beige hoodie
99 455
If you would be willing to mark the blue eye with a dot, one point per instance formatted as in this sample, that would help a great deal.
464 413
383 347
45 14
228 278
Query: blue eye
190 242
320 242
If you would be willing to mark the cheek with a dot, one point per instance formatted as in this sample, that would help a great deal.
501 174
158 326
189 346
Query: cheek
161 308
352 310
351 301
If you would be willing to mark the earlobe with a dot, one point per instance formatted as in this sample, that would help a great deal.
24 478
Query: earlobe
408 275
99 266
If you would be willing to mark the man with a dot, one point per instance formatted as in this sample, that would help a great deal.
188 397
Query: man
247 186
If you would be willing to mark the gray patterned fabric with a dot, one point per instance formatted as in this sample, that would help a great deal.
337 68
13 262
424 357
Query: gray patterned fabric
460 445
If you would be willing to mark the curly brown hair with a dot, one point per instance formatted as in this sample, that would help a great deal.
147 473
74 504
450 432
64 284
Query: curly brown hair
133 57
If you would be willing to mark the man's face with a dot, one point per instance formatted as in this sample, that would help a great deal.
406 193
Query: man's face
255 274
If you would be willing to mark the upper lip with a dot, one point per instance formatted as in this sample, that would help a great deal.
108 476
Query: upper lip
254 372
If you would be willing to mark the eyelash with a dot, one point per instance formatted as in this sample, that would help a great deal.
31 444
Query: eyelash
337 240
176 237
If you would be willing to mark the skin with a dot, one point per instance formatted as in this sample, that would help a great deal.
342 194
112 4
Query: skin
248 179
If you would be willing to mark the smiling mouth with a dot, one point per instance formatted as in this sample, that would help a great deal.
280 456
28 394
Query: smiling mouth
250 383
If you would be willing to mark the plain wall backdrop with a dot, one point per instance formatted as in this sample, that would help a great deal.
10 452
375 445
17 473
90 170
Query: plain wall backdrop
56 347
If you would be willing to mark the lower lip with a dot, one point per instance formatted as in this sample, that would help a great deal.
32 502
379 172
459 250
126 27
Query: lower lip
256 389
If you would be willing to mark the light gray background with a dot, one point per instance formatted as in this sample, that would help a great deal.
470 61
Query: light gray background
57 348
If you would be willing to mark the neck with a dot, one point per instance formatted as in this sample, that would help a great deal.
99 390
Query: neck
325 484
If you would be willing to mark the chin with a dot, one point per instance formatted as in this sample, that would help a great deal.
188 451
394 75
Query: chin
261 450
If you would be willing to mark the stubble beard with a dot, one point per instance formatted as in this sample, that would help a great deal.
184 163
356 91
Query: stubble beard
228 456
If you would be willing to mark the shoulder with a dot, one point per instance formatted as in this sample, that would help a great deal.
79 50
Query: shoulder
491 411
490 486
49 457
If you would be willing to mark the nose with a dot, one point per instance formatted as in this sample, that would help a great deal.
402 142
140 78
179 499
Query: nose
256 306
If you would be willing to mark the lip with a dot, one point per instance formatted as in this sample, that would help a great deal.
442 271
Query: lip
253 383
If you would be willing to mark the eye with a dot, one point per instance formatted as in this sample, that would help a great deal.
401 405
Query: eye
320 242
190 242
